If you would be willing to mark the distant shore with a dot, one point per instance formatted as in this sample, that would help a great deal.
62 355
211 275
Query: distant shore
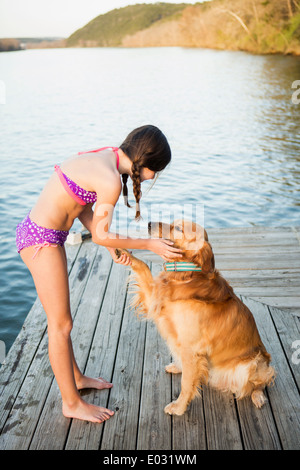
259 27
15 45
19 44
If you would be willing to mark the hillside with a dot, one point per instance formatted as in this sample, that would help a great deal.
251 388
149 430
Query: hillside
259 26
111 28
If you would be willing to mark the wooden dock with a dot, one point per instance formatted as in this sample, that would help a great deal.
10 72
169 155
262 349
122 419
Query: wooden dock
263 266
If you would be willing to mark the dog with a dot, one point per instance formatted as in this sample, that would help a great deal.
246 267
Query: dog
211 334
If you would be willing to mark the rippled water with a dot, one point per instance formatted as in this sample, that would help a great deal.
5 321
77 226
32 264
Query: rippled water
229 118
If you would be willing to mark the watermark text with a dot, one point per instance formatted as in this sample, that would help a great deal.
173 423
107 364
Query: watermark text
158 221
296 94
296 354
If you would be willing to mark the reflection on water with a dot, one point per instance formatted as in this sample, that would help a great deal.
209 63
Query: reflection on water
229 117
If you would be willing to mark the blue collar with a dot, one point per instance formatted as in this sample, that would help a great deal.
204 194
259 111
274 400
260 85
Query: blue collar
181 266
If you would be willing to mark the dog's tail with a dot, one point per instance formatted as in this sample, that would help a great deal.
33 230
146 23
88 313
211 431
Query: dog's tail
266 378
247 378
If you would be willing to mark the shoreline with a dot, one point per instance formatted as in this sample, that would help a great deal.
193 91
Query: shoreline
255 53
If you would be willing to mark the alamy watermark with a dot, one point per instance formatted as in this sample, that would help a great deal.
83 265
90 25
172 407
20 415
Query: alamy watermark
295 98
296 354
158 221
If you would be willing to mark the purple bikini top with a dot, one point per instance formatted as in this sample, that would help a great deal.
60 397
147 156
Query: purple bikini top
80 195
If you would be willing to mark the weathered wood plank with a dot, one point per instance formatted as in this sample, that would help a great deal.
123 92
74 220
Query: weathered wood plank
25 413
52 429
246 261
120 433
266 242
154 431
296 230
101 360
154 425
290 304
188 431
283 395
21 354
258 425
288 328
257 229
264 278
263 261
265 239
222 428
268 250
269 291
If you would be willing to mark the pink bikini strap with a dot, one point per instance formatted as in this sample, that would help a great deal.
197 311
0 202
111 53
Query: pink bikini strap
115 149
42 245
66 186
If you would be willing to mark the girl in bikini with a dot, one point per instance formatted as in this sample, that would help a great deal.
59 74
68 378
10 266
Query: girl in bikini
88 178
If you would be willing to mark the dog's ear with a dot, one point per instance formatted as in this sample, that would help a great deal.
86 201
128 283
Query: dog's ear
205 258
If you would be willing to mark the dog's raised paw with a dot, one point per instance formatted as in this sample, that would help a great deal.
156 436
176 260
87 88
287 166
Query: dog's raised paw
174 408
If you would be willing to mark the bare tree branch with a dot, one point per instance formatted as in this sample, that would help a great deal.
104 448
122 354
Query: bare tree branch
239 19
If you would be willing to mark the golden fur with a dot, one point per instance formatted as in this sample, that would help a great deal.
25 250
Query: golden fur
211 334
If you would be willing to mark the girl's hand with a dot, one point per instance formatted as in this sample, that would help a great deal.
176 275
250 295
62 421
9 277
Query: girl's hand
164 248
123 259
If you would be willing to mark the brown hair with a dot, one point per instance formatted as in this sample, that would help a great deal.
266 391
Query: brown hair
147 147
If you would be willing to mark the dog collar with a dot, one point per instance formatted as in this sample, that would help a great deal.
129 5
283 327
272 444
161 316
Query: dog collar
180 266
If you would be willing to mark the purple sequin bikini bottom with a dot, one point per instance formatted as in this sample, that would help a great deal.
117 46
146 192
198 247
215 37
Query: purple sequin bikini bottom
28 233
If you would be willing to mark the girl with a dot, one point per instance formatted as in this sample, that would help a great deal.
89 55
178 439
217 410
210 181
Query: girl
97 175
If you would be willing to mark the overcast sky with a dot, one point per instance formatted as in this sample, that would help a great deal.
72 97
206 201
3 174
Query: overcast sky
59 18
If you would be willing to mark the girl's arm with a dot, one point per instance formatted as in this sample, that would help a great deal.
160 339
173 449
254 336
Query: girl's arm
102 236
101 222
86 217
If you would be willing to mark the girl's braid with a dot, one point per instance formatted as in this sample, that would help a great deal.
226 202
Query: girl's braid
136 183
146 147
125 189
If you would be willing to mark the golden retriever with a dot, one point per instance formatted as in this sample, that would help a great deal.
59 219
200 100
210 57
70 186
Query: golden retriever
211 334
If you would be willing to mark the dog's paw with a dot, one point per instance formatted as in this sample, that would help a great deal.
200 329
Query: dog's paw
258 398
175 408
120 251
172 368
136 263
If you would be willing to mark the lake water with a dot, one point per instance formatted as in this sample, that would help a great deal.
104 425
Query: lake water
229 117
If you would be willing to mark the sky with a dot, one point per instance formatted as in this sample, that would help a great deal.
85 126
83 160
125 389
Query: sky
55 18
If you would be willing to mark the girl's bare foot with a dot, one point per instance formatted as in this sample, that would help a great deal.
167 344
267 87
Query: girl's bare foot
89 382
86 412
